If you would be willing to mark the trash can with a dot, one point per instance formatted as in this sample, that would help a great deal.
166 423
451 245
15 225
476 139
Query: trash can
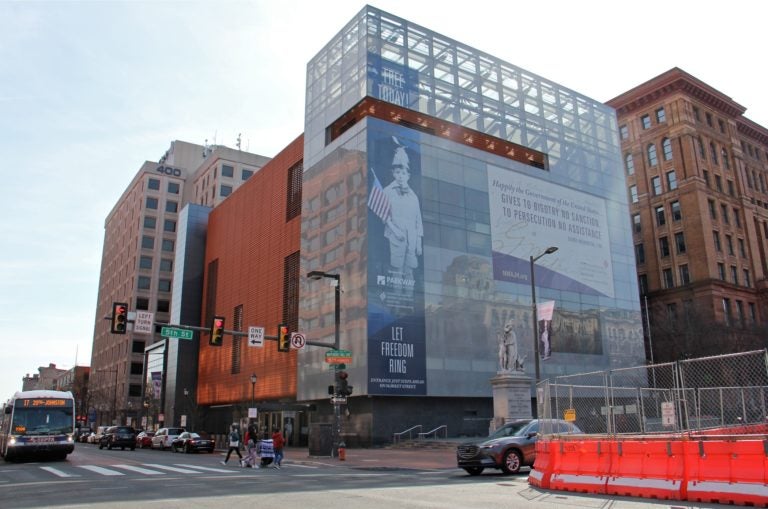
320 439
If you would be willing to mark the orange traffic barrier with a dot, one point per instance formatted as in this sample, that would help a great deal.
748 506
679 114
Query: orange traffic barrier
651 469
544 464
727 472
582 466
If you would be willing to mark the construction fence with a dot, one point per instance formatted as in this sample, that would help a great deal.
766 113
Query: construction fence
682 397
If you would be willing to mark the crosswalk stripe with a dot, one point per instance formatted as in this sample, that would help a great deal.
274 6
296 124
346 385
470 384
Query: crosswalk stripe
56 471
207 469
100 470
174 469
140 470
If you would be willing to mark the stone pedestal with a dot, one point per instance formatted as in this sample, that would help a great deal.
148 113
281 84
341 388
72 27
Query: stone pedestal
511 397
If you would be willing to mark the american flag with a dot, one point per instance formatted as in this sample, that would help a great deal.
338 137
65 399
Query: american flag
377 200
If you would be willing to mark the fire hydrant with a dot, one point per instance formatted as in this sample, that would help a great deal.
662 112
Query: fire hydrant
342 451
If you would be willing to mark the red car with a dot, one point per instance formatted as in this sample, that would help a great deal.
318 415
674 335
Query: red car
144 439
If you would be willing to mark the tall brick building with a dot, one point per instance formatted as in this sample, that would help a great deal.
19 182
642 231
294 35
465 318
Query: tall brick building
696 181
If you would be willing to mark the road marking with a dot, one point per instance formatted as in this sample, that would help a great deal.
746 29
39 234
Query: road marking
56 471
140 470
100 470
207 469
299 465
173 469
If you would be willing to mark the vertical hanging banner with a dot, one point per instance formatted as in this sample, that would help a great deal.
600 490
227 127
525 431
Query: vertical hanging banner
157 384
544 312
396 343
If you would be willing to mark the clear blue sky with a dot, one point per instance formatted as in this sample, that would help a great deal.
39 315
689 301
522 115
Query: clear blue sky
90 90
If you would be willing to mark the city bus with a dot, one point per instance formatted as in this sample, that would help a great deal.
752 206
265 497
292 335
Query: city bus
39 424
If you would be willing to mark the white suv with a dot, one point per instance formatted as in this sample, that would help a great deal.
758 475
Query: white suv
164 436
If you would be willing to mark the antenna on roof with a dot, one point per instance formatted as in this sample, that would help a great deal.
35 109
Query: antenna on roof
239 140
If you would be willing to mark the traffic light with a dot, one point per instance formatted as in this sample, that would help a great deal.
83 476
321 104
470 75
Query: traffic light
283 338
217 331
344 388
119 318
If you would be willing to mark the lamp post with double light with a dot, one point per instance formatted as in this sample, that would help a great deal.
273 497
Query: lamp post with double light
549 250
316 275
253 394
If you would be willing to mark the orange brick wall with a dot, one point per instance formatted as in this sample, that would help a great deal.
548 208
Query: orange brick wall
250 237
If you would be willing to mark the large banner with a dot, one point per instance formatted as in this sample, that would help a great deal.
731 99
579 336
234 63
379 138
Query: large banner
396 344
528 215
393 83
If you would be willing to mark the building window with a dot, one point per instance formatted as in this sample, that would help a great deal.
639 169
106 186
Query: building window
653 160
629 164
672 312
169 225
168 245
645 121
153 184
660 220
225 190
661 115
696 114
736 218
147 242
729 244
142 303
145 262
636 223
640 253
246 174
143 283
293 203
713 152
656 185
734 275
742 248
731 190
151 203
740 313
171 206
680 242
700 146
721 124
726 161
166 265
163 306
164 285
664 246
669 281
677 213
671 180
752 313
633 194
706 177
727 311
712 209
173 187
716 239
721 271
709 118
642 284
724 213
227 170
666 148
685 277
624 132
719 183
150 222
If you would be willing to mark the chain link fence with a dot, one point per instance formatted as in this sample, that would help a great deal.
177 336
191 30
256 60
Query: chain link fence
680 397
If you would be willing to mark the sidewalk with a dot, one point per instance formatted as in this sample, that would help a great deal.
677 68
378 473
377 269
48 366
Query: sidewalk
381 458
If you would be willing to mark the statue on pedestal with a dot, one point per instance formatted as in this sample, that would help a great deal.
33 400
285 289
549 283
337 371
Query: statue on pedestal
509 357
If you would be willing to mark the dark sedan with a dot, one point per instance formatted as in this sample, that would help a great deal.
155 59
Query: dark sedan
144 439
190 441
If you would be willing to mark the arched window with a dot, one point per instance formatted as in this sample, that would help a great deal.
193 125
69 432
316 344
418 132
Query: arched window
653 160
629 163
666 147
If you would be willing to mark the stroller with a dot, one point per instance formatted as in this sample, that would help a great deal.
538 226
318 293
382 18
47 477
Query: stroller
266 451
251 459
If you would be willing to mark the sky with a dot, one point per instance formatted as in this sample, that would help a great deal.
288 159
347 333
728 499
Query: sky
91 90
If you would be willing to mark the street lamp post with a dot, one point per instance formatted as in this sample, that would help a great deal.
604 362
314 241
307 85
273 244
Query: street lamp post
549 250
318 274
253 392
114 396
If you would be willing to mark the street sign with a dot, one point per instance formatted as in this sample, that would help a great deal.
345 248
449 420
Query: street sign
174 333
339 400
667 413
298 340
256 336
143 322
338 356
569 415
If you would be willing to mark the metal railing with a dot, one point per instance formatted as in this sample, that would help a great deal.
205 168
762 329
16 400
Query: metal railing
434 432
397 436
678 397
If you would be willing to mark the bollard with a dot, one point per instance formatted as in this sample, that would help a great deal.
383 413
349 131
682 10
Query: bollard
342 451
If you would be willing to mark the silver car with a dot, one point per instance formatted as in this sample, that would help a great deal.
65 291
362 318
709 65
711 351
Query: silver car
164 437
508 448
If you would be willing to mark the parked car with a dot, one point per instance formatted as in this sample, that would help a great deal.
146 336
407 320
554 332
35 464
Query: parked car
83 438
144 439
190 441
509 447
99 433
91 439
81 432
164 437
118 436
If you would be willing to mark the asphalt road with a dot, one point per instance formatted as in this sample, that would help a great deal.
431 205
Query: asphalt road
369 479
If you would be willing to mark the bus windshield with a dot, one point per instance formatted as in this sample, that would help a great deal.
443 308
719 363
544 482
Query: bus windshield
42 421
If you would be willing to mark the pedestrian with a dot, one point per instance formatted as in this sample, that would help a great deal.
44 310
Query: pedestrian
277 443
251 459
234 444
